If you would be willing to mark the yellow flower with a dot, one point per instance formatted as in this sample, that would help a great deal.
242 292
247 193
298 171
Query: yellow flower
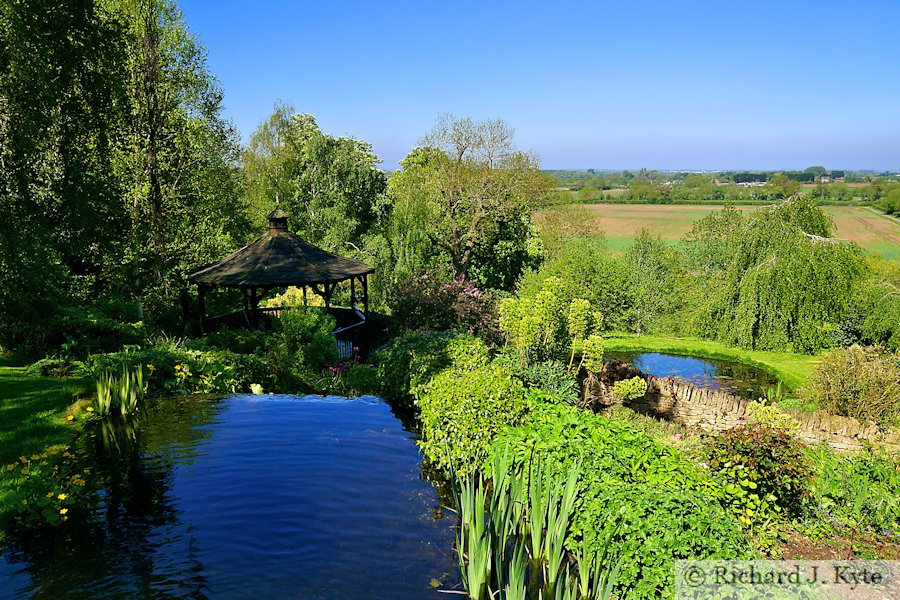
70 417
63 511
62 496
90 409
49 494
151 367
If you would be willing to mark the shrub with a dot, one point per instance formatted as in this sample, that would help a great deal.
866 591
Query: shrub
550 377
649 527
412 359
672 510
762 470
239 341
54 367
429 302
772 416
463 408
629 389
859 382
304 336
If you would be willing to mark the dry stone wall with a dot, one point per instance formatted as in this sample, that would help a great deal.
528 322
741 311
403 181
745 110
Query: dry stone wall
714 410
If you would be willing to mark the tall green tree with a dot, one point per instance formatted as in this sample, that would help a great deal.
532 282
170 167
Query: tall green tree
788 284
330 186
653 282
60 92
470 191
178 162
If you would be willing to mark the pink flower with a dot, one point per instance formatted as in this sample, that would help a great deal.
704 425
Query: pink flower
678 436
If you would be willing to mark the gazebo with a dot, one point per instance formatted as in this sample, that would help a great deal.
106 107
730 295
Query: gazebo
281 259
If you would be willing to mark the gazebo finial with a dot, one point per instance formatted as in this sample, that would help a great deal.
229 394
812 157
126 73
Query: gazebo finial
278 220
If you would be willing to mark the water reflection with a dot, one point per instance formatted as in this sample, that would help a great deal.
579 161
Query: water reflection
741 380
246 497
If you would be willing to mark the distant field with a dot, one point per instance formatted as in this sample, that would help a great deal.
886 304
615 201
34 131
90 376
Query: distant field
873 231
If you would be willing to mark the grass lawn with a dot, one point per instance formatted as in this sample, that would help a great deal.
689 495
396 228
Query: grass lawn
33 413
792 369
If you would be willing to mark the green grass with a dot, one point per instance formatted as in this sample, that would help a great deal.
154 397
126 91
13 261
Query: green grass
33 414
792 369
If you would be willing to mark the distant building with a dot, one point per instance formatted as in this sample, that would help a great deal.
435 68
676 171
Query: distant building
825 179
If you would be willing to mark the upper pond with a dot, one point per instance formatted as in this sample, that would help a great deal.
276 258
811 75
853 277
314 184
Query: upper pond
248 497
735 378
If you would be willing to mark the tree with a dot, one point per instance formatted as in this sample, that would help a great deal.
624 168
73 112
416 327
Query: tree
330 186
178 164
787 285
652 280
471 193
781 186
710 243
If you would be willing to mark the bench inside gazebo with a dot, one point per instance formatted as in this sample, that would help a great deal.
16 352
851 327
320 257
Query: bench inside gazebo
281 259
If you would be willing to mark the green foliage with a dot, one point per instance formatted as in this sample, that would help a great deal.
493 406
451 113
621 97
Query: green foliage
762 471
629 389
541 327
648 527
189 371
653 280
329 185
429 302
859 492
770 415
787 285
411 360
462 201
859 382
124 393
551 378
116 168
464 407
710 244
45 487
239 341
303 338
585 268
54 367
623 469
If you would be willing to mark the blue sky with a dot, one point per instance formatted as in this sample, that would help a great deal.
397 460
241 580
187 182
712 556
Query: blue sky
665 85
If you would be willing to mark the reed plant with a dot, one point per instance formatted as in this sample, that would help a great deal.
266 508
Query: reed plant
123 394
511 541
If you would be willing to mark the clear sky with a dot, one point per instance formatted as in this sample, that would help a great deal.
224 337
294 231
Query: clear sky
676 84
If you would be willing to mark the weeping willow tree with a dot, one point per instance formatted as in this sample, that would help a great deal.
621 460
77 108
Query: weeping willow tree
788 284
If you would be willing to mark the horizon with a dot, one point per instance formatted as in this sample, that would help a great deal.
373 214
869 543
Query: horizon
705 87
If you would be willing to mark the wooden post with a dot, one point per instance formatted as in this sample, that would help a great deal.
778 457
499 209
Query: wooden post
305 303
352 293
366 296
201 296
254 315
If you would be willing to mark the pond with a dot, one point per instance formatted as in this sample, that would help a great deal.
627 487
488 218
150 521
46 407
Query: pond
249 497
738 379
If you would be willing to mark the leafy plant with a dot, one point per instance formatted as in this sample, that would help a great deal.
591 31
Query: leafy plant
430 302
772 416
46 487
123 393
463 408
629 389
762 470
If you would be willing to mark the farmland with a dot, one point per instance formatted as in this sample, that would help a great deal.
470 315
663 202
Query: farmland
875 232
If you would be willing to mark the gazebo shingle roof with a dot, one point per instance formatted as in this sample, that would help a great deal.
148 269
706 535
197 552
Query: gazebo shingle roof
279 258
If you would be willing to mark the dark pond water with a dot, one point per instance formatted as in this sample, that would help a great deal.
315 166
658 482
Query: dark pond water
249 497
742 380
